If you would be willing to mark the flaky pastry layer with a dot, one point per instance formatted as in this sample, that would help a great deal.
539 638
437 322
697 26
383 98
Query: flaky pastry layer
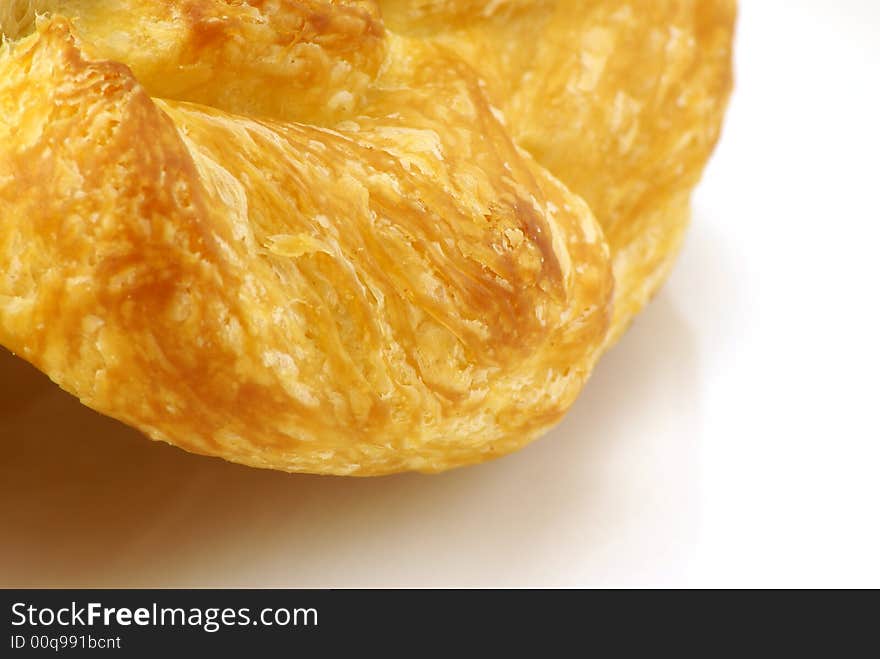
344 237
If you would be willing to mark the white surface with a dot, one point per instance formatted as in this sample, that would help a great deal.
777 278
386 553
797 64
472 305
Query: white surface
731 439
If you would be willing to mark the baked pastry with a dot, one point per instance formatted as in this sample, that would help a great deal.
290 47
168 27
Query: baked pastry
312 236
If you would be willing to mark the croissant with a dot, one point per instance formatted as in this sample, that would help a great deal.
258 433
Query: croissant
350 237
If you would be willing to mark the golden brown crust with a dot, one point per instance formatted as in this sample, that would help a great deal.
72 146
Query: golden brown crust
281 233
305 61
623 100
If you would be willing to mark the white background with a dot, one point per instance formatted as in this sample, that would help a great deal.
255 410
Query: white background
731 439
